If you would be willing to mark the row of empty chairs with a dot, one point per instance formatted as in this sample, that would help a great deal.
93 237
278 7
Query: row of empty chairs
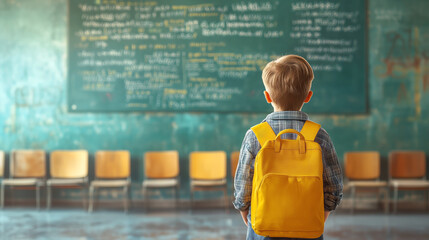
406 171
112 169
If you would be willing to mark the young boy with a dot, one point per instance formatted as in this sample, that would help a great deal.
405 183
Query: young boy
287 82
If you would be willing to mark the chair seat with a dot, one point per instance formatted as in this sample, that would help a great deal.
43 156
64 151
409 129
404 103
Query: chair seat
66 181
367 184
159 183
410 183
110 183
21 181
208 183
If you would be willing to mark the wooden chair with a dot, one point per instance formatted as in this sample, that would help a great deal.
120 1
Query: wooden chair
161 170
208 172
69 169
112 170
27 168
362 170
234 163
407 171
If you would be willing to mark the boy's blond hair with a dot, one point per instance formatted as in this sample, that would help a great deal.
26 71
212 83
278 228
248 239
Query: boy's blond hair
288 81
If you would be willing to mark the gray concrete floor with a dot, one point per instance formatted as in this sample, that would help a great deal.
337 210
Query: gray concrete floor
25 223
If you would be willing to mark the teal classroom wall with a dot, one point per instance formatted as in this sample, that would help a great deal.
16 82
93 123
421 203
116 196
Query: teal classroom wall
33 112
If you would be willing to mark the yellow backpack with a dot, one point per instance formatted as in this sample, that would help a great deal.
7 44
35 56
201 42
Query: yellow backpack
287 190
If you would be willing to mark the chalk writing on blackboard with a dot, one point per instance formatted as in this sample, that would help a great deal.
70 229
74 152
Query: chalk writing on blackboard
184 55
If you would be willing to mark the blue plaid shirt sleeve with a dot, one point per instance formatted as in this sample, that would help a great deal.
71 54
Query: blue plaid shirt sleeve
332 173
244 175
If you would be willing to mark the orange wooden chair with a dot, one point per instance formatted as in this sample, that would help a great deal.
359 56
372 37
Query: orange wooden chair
234 162
27 168
208 172
68 169
112 170
161 170
407 171
362 170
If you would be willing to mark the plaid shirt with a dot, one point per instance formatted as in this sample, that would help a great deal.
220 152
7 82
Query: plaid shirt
332 174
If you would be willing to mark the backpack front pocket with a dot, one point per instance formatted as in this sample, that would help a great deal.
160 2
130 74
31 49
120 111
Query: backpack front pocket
289 204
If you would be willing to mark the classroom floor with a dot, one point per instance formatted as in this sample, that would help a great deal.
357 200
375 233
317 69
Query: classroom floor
24 223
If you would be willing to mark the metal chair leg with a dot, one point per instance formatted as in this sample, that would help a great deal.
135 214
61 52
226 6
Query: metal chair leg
395 199
125 199
379 195
427 200
225 193
91 199
145 198
48 197
2 196
386 200
130 198
192 199
84 196
176 197
96 197
353 196
38 196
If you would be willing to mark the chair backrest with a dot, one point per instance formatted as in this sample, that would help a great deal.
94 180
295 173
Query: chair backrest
362 165
1 163
28 164
407 164
164 164
69 164
234 163
112 164
207 165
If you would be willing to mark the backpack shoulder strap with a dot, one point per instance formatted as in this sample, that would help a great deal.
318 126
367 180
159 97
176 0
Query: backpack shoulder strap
263 132
310 130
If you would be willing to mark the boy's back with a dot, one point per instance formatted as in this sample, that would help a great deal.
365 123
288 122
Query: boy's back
280 120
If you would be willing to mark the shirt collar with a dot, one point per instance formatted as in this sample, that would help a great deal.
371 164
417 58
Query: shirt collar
287 115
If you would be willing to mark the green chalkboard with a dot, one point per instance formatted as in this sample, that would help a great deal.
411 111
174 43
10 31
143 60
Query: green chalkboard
185 55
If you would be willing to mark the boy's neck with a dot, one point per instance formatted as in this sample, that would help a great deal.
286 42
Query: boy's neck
276 109
287 110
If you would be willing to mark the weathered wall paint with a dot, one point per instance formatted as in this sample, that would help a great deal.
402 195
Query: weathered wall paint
33 95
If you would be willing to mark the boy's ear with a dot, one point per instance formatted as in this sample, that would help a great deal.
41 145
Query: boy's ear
307 99
267 97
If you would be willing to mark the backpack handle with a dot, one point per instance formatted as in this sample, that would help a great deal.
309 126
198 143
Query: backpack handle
300 138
